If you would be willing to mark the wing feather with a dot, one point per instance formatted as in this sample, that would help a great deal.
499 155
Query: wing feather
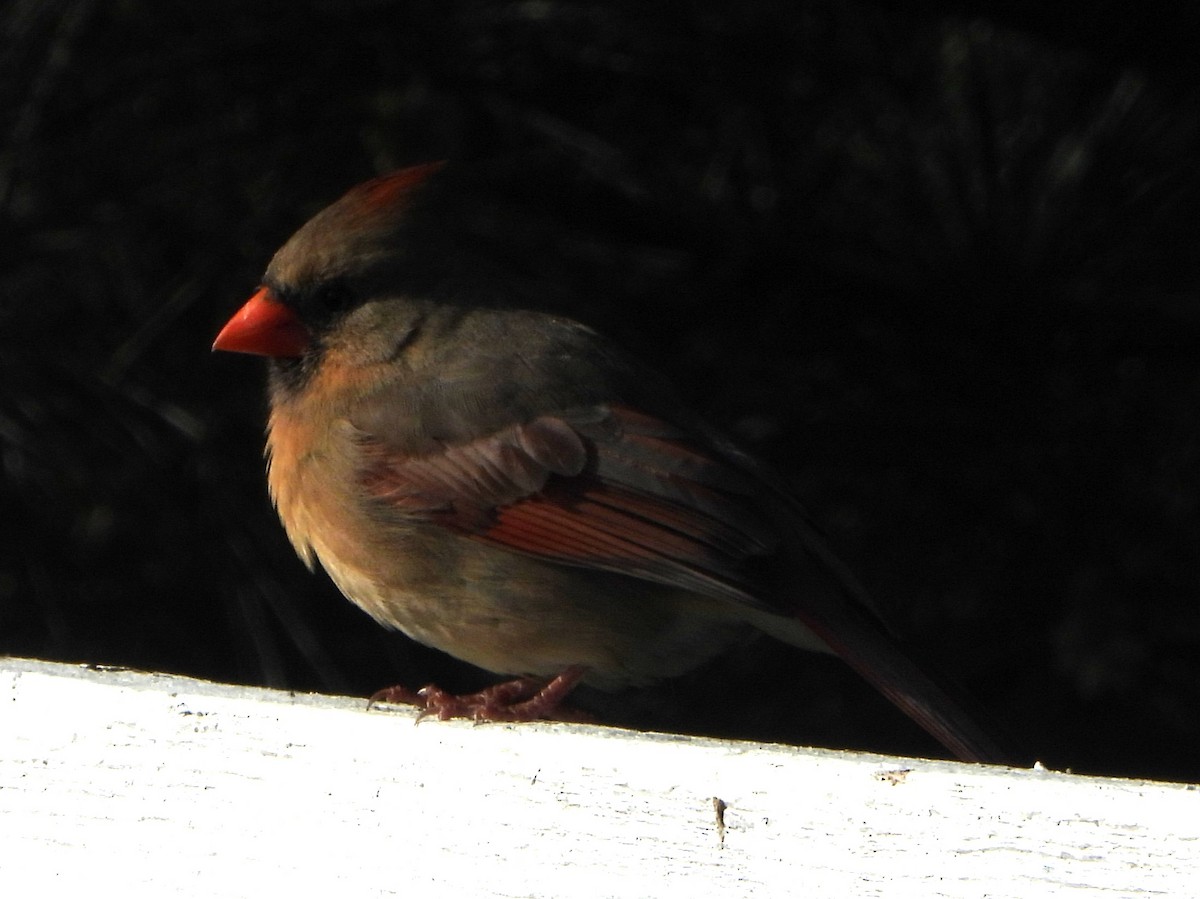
620 491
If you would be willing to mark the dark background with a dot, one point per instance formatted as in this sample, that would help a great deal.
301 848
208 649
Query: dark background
937 265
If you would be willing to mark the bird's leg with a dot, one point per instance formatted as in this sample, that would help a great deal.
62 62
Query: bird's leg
520 699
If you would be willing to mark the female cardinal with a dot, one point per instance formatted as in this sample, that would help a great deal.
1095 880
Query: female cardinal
506 486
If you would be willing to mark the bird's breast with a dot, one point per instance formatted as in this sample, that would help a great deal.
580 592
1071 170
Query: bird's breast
383 567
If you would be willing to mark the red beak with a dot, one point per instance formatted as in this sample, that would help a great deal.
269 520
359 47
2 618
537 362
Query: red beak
265 327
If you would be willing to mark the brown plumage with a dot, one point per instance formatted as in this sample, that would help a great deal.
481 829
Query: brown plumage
506 486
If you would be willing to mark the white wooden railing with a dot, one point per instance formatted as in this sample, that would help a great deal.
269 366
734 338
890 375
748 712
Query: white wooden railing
120 783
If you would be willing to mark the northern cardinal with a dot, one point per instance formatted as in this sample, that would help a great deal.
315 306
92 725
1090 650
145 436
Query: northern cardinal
506 486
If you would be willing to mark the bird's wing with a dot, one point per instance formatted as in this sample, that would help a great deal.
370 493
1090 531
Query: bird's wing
607 488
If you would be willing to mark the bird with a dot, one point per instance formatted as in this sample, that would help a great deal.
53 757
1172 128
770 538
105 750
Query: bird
504 484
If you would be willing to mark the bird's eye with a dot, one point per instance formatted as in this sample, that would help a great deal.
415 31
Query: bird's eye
334 296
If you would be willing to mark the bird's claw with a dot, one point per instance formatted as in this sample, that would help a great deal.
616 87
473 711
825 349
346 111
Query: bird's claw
520 699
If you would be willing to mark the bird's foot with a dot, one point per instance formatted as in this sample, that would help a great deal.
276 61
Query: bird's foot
521 699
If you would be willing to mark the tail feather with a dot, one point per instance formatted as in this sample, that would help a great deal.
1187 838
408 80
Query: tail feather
836 608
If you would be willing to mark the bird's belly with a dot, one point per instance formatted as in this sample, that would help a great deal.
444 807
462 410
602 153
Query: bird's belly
513 614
